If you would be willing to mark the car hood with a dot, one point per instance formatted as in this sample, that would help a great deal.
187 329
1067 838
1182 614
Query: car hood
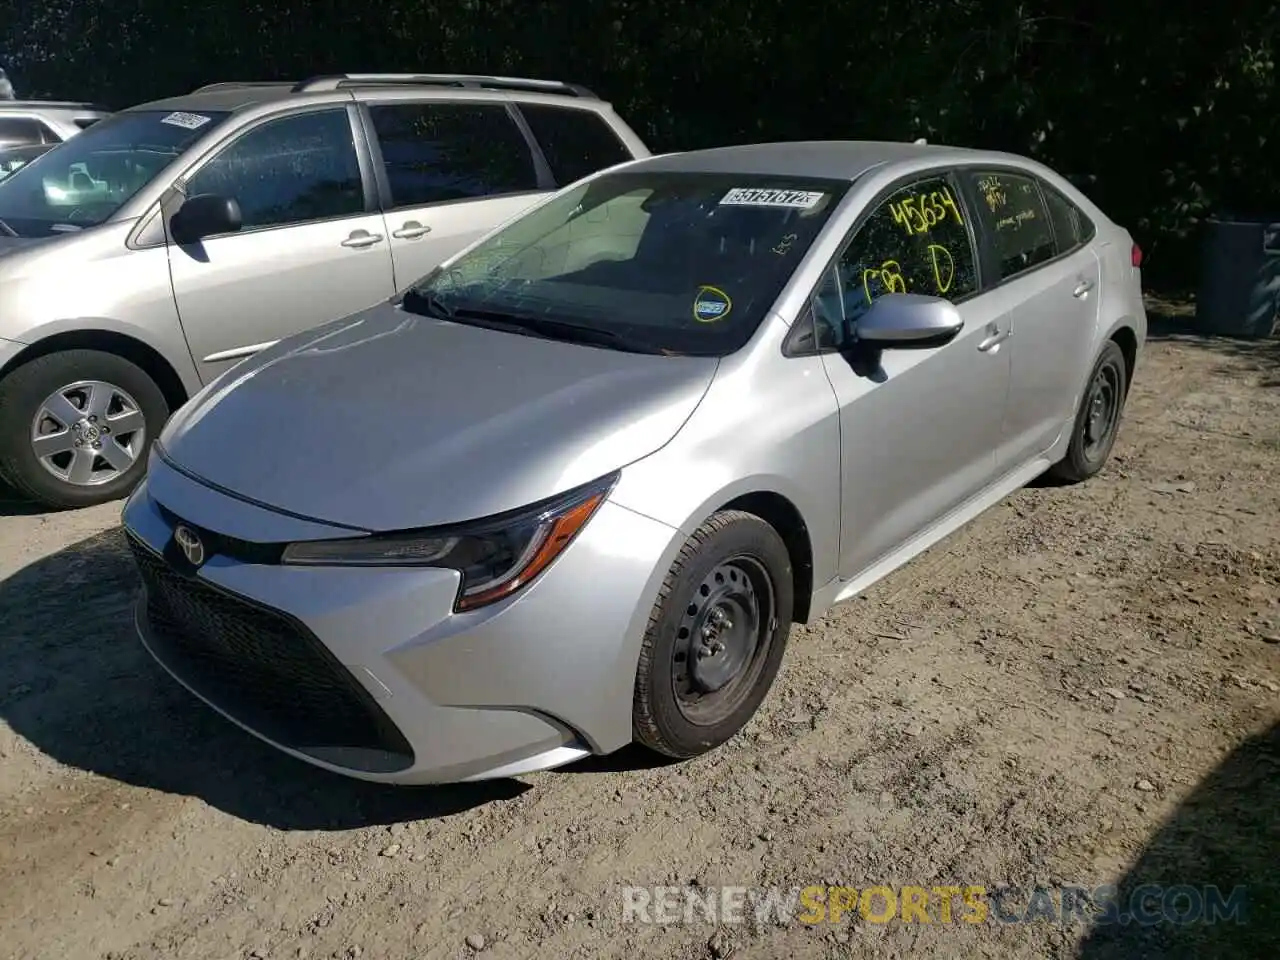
387 420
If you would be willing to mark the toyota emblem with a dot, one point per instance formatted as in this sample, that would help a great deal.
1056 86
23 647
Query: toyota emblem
190 544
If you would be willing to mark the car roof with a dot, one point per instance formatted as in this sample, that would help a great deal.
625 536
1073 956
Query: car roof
823 159
220 99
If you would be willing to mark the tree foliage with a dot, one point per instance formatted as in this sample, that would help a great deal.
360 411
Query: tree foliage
1163 112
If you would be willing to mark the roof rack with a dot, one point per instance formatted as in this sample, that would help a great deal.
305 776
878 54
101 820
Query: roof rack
475 81
242 84
48 104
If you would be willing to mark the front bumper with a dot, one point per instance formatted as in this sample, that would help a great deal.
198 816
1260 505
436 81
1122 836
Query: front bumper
368 672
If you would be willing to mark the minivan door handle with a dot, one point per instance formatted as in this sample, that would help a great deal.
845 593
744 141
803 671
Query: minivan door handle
1082 288
362 238
411 230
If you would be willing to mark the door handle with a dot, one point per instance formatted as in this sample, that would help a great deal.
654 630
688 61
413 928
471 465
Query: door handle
362 238
1082 288
994 340
411 230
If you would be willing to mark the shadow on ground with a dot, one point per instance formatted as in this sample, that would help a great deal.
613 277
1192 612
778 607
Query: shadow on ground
1227 834
76 683
1177 324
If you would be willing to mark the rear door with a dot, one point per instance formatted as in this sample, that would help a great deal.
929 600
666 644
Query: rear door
1045 278
312 247
449 171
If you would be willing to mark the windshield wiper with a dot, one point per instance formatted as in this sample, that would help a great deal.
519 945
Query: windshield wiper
415 301
550 329
8 229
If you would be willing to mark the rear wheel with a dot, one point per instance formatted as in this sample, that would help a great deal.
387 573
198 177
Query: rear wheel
1097 419
76 426
715 638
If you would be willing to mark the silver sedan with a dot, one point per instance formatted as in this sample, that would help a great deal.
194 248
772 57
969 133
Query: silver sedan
571 490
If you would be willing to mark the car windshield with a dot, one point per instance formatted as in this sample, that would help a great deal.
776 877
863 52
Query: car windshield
12 158
685 263
84 181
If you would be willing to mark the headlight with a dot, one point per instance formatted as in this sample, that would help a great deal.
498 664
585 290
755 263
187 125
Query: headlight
496 557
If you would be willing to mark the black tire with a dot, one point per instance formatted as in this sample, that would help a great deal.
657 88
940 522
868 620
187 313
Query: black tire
22 393
730 544
1089 449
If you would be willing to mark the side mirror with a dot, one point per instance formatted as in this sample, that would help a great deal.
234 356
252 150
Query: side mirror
909 321
206 215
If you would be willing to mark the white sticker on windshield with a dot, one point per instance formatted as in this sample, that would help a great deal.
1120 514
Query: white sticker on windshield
757 197
188 121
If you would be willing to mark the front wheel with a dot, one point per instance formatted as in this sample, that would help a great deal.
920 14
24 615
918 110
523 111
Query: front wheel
715 638
1097 419
76 426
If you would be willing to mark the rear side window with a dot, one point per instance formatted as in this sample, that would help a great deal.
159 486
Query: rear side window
20 131
1071 227
288 171
575 142
84 123
1012 213
435 152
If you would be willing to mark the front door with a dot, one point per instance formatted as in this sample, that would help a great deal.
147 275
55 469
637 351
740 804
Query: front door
311 247
919 433
452 171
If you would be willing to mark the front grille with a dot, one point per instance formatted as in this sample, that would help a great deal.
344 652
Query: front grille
265 669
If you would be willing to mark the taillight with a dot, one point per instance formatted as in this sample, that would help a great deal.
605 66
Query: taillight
1136 255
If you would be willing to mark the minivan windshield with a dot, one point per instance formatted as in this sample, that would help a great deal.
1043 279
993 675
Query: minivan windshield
652 261
84 181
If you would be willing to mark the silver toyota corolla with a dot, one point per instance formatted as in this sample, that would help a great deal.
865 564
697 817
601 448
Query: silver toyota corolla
571 490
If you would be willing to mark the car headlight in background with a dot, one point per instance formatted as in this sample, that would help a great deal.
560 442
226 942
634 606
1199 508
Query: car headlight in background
496 556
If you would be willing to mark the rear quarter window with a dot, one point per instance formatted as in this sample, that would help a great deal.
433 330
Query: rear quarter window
1071 226
576 142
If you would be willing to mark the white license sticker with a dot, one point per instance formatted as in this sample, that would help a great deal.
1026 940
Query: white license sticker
757 197
188 121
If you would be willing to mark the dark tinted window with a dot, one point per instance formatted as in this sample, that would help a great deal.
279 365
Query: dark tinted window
287 171
435 152
575 142
84 123
916 241
686 262
1070 226
15 131
1012 212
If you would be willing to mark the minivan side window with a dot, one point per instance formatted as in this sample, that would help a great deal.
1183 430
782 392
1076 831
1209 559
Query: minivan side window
576 142
916 241
435 152
1012 213
20 131
1071 228
289 171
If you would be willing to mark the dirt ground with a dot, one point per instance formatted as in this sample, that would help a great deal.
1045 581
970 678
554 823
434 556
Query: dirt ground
1083 687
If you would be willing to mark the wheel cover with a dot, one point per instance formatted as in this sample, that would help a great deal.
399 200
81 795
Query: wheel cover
88 433
1102 410
722 640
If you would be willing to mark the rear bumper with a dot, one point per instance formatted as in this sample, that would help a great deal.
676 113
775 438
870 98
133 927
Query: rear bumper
398 688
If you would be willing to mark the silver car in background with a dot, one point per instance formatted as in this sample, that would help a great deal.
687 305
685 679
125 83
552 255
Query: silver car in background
572 488
165 244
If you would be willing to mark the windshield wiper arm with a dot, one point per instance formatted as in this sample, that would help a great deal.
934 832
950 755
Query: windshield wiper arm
8 229
416 301
560 330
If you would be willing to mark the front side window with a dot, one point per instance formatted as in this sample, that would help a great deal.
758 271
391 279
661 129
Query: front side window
576 142
84 181
1012 213
435 152
674 262
915 241
288 171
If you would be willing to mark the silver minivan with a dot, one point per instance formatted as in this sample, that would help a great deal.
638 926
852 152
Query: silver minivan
162 245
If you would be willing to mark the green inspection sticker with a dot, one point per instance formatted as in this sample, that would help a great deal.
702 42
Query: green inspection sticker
711 304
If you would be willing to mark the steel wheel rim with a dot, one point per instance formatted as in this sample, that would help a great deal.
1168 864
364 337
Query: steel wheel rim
88 433
1102 409
722 640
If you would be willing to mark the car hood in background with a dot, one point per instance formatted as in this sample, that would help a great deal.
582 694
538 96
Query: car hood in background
388 420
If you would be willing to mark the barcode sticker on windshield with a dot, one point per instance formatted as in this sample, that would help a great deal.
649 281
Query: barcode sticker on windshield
188 121
758 197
